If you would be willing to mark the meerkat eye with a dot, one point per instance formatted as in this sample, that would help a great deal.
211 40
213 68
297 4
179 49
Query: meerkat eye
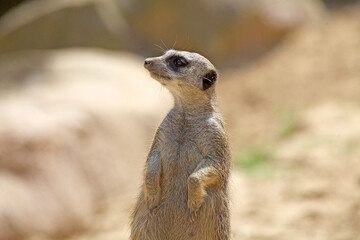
180 62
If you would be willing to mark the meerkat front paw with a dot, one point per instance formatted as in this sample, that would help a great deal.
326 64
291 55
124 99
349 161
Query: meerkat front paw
196 194
153 201
194 205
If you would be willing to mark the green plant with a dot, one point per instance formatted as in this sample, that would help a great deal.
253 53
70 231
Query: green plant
288 121
254 160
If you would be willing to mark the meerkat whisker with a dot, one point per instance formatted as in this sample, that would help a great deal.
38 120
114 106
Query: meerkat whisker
173 46
164 44
160 48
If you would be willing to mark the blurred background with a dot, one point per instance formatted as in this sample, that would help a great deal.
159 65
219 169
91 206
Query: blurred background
78 112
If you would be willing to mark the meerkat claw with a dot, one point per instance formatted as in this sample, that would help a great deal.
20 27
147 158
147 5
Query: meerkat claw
152 208
193 214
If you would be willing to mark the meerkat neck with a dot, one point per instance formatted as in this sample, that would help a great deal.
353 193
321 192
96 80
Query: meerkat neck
195 107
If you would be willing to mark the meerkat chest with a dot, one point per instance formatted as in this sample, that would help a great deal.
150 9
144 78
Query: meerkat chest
179 143
179 137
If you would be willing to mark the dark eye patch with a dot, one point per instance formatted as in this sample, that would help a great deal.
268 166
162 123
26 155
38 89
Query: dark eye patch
177 62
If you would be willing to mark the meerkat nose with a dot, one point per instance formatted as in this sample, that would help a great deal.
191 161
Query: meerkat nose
147 63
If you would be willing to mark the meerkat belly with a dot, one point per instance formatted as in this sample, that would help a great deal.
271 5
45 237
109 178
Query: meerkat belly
179 161
180 156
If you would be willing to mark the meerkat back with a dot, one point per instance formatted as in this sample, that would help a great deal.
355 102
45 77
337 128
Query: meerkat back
184 192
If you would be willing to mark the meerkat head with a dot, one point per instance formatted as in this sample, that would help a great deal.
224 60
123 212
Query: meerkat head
183 72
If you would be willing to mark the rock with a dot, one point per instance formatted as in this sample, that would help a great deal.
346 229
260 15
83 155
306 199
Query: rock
225 31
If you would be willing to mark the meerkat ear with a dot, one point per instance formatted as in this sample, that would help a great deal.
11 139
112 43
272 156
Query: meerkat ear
209 79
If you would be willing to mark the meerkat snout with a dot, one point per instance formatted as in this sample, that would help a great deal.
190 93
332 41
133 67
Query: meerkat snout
147 63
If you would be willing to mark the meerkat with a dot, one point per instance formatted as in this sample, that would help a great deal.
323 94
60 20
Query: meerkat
184 193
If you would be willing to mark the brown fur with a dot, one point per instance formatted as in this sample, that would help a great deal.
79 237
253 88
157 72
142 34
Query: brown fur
184 194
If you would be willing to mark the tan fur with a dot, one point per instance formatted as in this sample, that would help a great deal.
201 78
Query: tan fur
184 194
